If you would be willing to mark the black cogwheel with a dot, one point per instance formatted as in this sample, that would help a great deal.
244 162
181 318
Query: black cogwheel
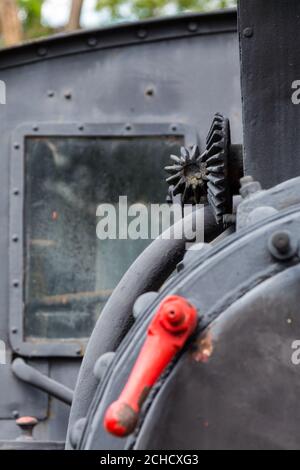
188 176
201 178
216 156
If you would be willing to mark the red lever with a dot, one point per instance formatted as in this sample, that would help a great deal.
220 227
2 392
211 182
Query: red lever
173 324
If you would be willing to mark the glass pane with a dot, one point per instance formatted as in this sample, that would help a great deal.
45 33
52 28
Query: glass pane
69 272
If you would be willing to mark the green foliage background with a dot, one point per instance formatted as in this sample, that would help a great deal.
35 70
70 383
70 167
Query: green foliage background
142 9
31 11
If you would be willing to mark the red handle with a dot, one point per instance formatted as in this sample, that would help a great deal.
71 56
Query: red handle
173 324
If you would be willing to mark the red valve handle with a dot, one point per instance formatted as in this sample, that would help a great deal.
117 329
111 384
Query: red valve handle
173 324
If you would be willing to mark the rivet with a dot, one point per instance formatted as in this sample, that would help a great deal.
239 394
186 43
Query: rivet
15 414
50 93
142 33
180 267
14 330
128 127
81 127
192 26
15 238
16 192
16 283
248 32
16 146
35 128
283 246
174 128
92 42
42 51
282 242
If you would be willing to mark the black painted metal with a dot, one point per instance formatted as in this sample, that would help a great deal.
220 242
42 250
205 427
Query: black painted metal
269 34
234 396
122 35
148 273
93 82
252 327
35 378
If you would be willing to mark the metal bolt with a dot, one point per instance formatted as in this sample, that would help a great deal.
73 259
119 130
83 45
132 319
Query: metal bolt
192 26
14 330
248 32
42 51
282 242
15 414
180 267
128 127
142 33
16 283
92 42
249 186
35 128
283 246
81 127
229 219
50 93
174 128
16 192
16 146
15 238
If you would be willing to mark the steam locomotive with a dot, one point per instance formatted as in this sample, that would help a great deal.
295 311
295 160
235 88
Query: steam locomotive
140 344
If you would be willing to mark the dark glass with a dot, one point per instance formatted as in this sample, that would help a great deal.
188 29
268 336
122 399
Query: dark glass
69 272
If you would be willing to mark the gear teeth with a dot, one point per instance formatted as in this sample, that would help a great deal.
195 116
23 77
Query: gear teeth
185 153
219 169
173 178
215 137
217 150
215 159
188 175
195 153
212 166
173 169
216 180
218 212
175 159
216 191
178 186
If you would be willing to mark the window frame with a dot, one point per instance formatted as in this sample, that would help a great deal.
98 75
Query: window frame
43 347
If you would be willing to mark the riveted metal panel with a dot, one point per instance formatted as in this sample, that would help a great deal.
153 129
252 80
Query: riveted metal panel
76 347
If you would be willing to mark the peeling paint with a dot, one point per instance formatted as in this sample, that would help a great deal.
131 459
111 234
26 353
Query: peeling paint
204 348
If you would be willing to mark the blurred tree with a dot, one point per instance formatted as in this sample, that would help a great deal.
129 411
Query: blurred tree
23 19
75 13
153 8
10 22
30 12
